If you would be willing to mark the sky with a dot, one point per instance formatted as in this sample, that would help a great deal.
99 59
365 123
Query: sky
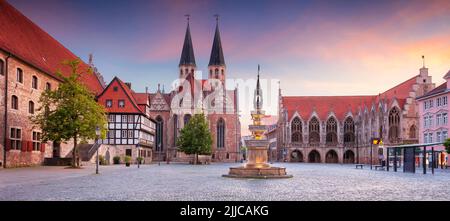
311 47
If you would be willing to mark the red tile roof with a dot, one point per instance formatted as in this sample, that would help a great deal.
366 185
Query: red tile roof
341 105
28 42
123 93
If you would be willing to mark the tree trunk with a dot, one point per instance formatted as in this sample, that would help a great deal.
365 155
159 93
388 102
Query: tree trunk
75 152
196 159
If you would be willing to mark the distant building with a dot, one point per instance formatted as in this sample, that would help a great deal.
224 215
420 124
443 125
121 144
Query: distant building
433 114
339 129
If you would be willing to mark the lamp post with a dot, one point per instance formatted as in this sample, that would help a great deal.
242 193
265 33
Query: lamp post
97 135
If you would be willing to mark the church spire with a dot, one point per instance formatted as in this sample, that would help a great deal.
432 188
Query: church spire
258 100
187 55
216 51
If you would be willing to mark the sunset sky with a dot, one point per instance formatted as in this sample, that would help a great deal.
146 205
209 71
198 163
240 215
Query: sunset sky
313 47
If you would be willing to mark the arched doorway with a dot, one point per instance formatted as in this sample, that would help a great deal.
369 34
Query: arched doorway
314 157
331 157
349 157
296 156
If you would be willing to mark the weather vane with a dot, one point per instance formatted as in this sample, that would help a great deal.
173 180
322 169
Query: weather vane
188 16
217 17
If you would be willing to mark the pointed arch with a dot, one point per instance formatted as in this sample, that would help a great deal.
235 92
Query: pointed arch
349 131
394 125
186 119
159 133
220 133
331 130
413 132
314 130
296 130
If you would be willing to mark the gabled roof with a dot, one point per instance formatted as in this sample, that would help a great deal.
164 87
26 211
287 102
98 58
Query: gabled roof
187 54
216 51
123 93
28 42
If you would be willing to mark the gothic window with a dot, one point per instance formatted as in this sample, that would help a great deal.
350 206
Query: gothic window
220 133
394 125
296 130
175 128
14 102
314 130
159 133
331 131
349 130
412 132
216 72
48 86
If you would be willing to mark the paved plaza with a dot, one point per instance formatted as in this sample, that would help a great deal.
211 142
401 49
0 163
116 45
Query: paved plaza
200 182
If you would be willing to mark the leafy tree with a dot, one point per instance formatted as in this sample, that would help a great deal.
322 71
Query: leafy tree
70 112
447 145
195 137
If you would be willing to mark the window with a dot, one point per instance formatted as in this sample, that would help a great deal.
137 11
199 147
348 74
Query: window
425 138
349 130
159 133
444 119
430 137
431 103
108 103
187 117
36 141
438 136
111 133
124 134
314 130
175 128
444 135
394 125
14 102
48 86
425 121
2 67
296 130
331 131
130 134
16 138
121 103
130 118
31 107
412 132
438 119
444 101
221 133
19 76
34 82
124 118
111 118
115 89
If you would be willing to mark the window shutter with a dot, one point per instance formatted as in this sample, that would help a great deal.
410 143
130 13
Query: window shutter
24 145
42 147
29 146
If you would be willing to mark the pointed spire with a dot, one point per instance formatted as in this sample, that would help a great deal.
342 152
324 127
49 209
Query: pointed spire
423 61
258 101
216 51
159 90
187 54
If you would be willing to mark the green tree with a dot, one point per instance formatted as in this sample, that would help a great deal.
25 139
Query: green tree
195 137
70 112
447 145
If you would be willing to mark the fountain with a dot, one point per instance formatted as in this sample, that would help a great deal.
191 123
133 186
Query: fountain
257 147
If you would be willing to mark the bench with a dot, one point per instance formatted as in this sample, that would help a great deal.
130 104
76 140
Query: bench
359 166
379 166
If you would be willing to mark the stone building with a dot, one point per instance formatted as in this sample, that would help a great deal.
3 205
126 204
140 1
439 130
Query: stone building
29 59
193 95
339 129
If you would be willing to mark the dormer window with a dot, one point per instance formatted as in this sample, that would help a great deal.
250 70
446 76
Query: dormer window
115 89
121 103
108 103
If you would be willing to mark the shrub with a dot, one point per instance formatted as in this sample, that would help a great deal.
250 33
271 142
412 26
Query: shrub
127 159
447 145
102 160
116 160
139 159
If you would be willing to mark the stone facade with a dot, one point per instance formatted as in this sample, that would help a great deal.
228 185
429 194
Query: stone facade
339 129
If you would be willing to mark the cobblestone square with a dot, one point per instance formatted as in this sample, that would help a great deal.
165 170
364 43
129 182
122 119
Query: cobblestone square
200 182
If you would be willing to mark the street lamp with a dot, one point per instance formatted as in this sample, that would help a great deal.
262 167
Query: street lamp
97 136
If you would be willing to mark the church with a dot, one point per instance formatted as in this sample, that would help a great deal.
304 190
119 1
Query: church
172 110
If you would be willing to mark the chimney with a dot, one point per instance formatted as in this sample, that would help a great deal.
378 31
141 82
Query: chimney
128 84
